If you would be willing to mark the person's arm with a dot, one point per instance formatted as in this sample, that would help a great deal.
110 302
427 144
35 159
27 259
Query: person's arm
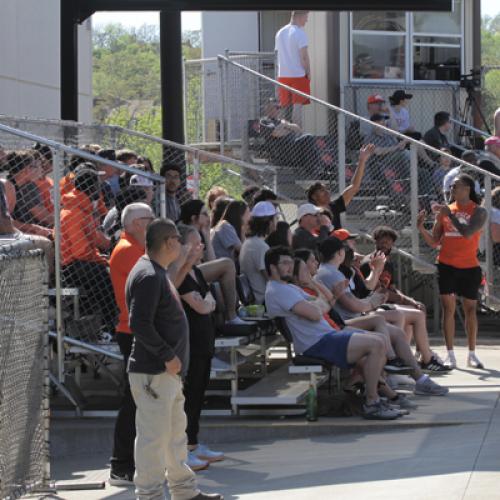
198 303
308 310
377 263
144 299
476 222
304 60
32 229
179 269
495 232
351 303
209 248
42 215
284 128
364 154
429 238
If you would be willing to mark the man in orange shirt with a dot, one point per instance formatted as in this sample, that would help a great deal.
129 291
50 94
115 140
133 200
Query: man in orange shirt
130 247
83 266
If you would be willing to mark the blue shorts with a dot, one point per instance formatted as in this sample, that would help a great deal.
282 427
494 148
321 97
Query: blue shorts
332 348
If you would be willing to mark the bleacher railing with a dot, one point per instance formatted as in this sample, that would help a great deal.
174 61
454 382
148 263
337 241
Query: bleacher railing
24 384
404 175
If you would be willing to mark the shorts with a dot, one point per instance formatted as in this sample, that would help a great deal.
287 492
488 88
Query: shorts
332 348
462 282
288 98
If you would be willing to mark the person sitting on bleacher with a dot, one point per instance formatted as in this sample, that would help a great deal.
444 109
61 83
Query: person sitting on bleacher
315 338
309 232
262 223
198 305
318 193
83 265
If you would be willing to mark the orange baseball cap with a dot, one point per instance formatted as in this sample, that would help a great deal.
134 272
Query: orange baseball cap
344 234
375 98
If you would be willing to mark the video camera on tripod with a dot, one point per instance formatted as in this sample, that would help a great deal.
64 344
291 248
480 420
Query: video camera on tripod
471 81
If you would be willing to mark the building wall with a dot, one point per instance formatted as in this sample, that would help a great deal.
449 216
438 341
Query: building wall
30 60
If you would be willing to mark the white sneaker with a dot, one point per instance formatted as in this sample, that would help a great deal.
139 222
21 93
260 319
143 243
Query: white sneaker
237 321
396 381
473 361
203 452
450 360
196 463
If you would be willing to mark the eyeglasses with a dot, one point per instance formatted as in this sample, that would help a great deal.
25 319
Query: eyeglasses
285 262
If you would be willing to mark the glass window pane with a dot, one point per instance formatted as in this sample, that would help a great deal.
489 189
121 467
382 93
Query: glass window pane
439 22
435 62
378 56
379 21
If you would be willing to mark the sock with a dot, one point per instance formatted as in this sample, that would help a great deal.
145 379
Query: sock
472 354
422 378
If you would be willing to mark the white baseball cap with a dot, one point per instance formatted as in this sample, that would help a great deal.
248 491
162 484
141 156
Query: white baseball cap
264 209
140 180
307 209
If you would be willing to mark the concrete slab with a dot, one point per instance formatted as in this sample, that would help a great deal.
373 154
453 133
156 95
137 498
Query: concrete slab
419 457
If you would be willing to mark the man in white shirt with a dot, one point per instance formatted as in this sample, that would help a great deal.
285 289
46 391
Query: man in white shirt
294 67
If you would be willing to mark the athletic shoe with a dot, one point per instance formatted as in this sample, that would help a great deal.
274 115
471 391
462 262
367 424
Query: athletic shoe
237 321
121 479
397 365
207 496
434 367
429 388
203 452
473 362
396 381
451 361
195 463
379 411
404 402
394 406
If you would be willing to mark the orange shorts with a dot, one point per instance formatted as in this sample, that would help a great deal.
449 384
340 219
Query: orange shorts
288 98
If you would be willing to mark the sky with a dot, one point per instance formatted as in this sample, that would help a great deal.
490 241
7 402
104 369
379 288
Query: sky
192 20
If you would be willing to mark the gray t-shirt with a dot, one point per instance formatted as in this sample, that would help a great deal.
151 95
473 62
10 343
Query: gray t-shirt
224 239
280 299
329 275
252 264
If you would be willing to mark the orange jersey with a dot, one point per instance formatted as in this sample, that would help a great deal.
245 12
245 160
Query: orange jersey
456 250
123 258
45 185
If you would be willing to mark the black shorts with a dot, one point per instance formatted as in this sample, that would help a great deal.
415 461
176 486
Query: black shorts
462 282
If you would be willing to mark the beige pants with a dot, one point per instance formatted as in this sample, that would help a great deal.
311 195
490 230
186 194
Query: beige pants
161 442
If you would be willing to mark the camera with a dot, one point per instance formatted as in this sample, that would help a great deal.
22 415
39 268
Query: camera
471 81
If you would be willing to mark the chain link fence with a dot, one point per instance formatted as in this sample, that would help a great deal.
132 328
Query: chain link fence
24 410
402 177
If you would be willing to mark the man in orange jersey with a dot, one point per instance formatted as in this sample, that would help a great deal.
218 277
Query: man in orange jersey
130 247
457 230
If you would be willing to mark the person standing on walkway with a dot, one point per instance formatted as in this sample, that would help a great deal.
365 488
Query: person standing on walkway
457 230
159 358
294 68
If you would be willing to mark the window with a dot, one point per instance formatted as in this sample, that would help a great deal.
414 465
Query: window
407 47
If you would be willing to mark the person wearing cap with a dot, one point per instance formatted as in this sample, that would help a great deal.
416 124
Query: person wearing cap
489 160
319 195
130 247
374 104
309 232
400 116
145 183
262 223
83 265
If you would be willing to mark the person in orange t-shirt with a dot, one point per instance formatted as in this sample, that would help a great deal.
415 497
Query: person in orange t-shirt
130 247
457 230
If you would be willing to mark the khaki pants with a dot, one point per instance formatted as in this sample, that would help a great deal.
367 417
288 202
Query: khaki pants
161 442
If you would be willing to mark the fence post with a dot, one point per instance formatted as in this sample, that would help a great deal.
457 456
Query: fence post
196 175
58 169
341 156
415 241
163 201
487 238
222 104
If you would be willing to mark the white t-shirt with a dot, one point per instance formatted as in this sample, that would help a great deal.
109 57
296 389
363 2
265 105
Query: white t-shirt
400 120
288 42
252 264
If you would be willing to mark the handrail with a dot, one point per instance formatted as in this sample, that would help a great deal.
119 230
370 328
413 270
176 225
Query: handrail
395 133
78 152
88 347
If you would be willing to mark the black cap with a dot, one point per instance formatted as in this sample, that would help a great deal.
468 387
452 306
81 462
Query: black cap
86 180
107 154
398 96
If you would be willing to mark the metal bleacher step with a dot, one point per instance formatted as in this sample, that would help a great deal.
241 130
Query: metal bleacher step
278 388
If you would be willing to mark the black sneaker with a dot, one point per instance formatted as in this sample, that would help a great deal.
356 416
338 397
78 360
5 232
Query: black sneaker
435 367
207 496
397 365
121 479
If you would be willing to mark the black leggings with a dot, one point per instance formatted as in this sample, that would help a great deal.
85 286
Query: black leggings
195 385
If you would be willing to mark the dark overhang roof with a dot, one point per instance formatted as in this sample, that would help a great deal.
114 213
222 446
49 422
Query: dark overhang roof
85 8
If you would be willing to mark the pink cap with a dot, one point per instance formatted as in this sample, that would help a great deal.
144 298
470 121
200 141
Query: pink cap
492 141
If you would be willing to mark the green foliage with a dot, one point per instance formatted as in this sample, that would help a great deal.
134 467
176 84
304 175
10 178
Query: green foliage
490 56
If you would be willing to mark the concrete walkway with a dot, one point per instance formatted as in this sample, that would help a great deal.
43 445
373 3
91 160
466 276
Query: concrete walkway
449 448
